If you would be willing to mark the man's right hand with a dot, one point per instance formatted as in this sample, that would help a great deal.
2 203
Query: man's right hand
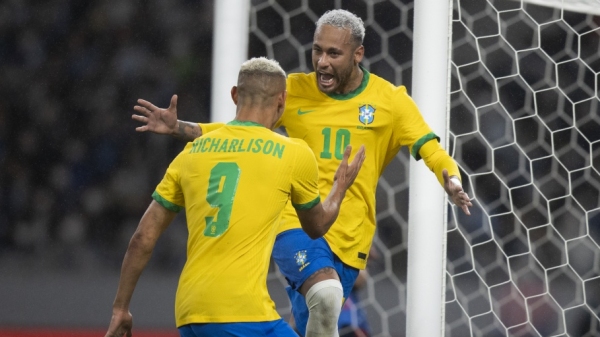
346 173
120 324
155 119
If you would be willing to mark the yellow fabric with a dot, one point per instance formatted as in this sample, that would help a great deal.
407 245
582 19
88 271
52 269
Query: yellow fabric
437 159
328 123
234 183
208 127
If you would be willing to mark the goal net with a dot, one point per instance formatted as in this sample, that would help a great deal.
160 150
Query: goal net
525 131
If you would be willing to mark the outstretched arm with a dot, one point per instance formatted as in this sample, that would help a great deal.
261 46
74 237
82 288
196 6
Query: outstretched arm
453 187
317 220
447 173
153 223
164 121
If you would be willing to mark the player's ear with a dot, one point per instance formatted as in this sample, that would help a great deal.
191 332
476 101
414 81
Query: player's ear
282 98
234 94
359 52
281 101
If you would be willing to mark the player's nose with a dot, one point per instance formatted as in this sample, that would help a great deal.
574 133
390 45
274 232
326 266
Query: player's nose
323 61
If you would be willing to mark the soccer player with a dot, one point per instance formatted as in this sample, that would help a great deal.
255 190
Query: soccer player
234 183
338 104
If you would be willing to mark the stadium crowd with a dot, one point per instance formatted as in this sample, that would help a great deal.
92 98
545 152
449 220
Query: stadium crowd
74 175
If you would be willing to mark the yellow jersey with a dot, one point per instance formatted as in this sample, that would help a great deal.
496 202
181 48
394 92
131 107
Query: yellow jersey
379 115
234 183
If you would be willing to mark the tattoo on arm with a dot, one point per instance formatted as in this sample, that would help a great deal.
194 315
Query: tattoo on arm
188 131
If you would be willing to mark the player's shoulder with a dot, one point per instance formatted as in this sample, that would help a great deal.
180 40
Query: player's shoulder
301 83
382 84
384 90
294 142
184 154
299 77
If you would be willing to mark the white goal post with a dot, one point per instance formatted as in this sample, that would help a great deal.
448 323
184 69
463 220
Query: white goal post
523 106
426 216
230 50
580 6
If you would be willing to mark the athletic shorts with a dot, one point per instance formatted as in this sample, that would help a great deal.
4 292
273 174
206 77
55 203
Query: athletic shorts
298 257
275 328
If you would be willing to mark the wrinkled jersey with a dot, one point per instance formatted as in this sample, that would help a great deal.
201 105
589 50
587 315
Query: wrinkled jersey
380 116
234 183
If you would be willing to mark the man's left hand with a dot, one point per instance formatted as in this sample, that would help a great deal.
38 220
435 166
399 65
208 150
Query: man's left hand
455 191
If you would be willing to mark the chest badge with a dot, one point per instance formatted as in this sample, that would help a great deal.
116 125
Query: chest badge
366 114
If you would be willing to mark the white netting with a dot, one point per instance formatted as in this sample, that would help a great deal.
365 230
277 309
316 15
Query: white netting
525 130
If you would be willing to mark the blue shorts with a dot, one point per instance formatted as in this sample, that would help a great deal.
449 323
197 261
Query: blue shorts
298 257
267 329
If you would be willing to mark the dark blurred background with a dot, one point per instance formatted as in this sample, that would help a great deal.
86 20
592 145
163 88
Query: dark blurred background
75 176
73 170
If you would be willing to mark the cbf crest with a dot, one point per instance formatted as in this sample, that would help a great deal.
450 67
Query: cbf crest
301 259
366 114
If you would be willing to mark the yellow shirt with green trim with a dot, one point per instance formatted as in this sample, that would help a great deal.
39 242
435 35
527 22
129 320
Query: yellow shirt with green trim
379 115
233 184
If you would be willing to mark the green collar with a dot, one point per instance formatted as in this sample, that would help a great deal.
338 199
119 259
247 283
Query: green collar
244 123
355 92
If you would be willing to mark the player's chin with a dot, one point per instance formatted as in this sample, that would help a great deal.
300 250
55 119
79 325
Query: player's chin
327 88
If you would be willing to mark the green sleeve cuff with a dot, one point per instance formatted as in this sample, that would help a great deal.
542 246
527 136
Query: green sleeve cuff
308 205
166 203
419 143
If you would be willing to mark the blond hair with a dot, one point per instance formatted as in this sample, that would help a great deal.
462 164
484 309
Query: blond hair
341 18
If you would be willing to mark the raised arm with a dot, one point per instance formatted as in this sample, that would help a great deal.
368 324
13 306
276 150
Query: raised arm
151 226
317 220
164 121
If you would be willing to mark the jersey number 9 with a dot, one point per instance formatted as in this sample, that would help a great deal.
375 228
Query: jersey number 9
222 185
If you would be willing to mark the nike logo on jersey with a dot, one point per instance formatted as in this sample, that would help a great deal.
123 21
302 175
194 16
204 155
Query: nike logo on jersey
300 112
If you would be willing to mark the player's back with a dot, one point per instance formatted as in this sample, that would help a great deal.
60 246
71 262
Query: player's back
235 182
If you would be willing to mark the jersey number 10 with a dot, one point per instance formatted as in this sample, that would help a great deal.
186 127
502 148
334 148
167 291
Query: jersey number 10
342 139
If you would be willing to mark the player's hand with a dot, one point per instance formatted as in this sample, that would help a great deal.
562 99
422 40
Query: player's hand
346 173
120 324
459 197
155 119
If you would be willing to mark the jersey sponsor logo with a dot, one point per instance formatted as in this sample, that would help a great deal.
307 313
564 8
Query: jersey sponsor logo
304 112
366 114
300 257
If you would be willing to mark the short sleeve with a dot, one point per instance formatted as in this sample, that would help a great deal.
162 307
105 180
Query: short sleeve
305 178
168 193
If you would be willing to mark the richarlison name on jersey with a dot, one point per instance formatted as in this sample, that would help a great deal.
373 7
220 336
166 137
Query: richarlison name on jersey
254 145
